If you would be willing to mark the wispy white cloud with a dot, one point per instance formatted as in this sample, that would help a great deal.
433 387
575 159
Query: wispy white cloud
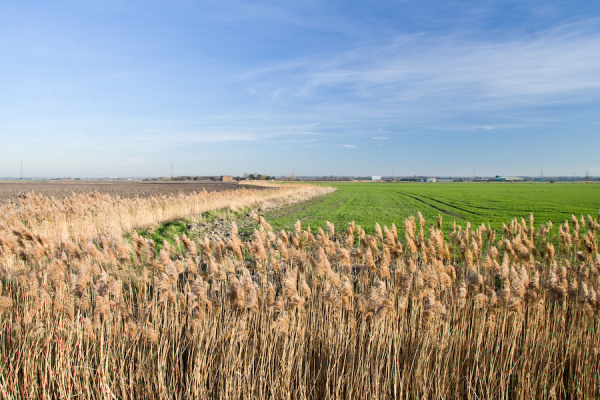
421 74
350 146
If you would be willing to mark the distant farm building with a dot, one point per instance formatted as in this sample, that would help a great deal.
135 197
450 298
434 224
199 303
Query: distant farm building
226 178
431 179
375 178
507 179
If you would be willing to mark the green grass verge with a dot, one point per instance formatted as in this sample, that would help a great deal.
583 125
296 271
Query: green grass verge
168 230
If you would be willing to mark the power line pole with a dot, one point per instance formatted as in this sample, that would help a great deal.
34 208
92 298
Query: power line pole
22 175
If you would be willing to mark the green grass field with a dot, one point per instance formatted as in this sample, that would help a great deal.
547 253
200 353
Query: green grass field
489 203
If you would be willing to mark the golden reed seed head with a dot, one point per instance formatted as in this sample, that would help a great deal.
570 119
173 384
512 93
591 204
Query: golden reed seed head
297 302
394 231
150 334
349 241
258 249
288 283
445 281
350 229
212 268
251 293
421 219
462 296
480 301
236 294
323 265
191 265
269 294
330 228
347 290
282 324
190 246
593 298
284 238
305 288
378 230
6 303
534 282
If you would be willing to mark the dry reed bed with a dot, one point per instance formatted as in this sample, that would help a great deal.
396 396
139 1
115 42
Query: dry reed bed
59 223
339 314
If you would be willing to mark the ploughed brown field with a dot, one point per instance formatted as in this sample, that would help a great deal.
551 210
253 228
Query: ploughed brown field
10 192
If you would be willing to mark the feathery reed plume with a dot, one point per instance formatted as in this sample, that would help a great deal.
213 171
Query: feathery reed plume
288 284
284 238
212 268
236 246
189 245
258 249
6 303
236 294
251 293
378 230
269 294
330 229
323 265
462 296
305 288
164 256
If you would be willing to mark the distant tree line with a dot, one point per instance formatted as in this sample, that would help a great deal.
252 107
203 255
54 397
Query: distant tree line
185 178
255 177
258 177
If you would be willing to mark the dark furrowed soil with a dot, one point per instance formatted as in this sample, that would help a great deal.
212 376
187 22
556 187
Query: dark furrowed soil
11 191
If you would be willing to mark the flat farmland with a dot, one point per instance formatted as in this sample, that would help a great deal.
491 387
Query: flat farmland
11 191
89 308
489 203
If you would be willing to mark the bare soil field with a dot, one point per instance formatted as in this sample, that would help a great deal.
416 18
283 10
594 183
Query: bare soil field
10 192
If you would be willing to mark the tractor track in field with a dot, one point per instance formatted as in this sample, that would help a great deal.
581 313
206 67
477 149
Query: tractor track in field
436 207
458 208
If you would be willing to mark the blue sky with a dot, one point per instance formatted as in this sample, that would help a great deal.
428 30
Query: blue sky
125 88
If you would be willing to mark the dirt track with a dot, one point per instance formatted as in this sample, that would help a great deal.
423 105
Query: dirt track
11 191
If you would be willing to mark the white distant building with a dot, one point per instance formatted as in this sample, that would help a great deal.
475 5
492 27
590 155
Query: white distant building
431 179
507 178
375 178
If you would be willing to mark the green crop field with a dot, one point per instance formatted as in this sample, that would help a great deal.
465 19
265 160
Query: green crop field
489 203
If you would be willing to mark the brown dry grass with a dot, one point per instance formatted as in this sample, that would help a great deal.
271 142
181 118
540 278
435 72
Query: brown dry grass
300 315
